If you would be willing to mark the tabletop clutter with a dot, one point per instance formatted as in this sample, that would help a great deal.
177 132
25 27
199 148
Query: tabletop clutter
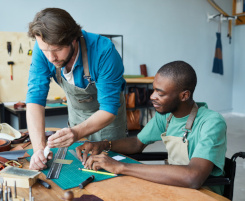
12 175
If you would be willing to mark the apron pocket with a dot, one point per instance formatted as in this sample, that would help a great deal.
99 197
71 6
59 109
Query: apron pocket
84 101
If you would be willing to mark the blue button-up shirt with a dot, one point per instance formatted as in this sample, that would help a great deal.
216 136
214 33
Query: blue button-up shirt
105 67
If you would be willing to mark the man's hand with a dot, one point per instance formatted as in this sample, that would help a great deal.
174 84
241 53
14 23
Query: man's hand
93 147
38 161
103 161
62 138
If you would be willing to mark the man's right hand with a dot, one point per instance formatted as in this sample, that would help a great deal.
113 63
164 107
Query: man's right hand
95 148
38 161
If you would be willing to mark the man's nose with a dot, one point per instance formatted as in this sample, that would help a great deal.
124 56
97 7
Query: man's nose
51 56
153 96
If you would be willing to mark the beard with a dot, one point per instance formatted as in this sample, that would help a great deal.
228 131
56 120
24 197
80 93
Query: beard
68 58
169 107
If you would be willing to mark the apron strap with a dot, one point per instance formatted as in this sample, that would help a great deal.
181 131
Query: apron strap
189 122
85 59
58 75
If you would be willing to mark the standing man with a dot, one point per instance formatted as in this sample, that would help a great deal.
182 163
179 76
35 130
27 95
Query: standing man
88 68
194 136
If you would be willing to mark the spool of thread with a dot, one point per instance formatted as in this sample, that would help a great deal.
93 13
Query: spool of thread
5 145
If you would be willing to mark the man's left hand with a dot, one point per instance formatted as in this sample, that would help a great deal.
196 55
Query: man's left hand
103 161
62 138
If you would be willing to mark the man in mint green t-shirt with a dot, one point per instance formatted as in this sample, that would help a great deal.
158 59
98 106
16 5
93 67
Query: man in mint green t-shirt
194 136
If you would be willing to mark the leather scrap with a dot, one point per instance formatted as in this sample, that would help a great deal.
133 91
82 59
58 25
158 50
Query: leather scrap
5 145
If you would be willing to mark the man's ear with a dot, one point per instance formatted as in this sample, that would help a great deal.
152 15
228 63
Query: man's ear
184 95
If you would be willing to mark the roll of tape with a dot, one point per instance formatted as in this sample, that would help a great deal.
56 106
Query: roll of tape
5 145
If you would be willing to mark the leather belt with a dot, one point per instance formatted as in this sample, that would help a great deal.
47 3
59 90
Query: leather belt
5 145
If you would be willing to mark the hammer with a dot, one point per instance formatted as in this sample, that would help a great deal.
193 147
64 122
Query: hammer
11 63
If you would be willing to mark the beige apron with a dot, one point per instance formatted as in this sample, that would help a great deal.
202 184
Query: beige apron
177 147
82 103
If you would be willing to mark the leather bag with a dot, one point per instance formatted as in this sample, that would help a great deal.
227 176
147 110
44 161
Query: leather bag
140 95
130 100
133 120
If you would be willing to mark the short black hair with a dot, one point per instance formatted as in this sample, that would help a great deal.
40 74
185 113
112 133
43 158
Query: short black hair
55 26
182 74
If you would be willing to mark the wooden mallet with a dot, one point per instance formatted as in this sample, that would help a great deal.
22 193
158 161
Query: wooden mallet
11 63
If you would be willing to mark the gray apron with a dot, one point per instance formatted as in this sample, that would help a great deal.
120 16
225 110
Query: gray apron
82 103
177 147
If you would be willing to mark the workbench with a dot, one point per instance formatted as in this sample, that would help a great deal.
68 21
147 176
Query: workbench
21 114
120 188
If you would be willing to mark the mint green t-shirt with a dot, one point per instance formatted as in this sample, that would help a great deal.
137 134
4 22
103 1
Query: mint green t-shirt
207 139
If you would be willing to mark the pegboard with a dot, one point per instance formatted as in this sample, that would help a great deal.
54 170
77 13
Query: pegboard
15 90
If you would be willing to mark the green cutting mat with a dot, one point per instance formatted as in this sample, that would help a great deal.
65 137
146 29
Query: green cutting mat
70 176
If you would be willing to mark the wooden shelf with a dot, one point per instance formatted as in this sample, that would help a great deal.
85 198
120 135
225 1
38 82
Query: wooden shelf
240 16
144 80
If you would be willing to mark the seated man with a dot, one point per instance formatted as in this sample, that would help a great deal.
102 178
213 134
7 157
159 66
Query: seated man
194 136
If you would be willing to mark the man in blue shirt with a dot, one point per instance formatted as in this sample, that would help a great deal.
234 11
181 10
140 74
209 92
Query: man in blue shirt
88 68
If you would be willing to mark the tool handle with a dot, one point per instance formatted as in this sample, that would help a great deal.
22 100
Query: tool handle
86 182
11 71
45 184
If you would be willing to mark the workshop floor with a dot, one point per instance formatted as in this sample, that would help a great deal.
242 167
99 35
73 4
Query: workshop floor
235 143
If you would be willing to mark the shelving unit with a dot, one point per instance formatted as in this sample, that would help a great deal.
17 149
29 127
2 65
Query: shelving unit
240 16
111 36
140 82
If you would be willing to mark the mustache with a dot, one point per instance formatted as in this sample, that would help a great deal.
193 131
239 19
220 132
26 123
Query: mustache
154 102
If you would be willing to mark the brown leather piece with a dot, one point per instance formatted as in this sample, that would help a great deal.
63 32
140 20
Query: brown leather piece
21 139
19 105
5 145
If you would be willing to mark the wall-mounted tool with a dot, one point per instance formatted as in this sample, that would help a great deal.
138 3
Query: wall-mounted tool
30 50
20 49
11 63
9 48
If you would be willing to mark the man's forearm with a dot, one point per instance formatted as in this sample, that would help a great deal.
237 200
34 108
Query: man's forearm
130 145
36 125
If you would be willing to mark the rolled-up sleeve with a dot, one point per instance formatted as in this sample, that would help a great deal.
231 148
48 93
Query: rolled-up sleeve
39 78
110 80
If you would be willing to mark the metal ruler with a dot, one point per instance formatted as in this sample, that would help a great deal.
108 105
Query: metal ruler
55 168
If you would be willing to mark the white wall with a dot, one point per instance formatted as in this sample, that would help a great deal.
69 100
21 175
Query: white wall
155 32
239 71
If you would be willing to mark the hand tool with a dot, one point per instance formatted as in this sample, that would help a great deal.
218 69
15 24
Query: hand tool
45 184
1 194
15 190
9 48
86 182
30 50
20 49
46 151
10 194
30 193
55 168
11 63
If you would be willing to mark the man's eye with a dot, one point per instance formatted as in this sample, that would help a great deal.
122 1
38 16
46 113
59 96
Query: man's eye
160 95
